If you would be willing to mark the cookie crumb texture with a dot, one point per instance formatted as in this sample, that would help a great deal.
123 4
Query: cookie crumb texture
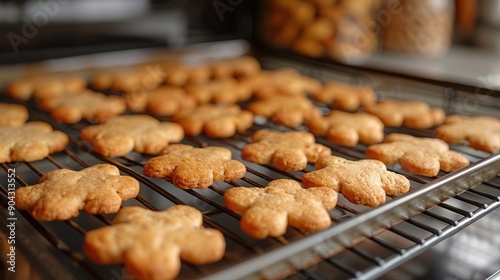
421 156
124 134
268 211
62 193
31 142
286 150
151 244
364 182
188 167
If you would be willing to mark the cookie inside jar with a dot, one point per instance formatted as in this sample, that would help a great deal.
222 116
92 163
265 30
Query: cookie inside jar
342 30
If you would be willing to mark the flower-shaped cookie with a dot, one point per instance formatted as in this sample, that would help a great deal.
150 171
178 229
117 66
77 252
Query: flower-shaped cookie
287 110
267 211
62 193
188 167
235 67
123 134
422 156
152 244
45 86
364 182
286 150
481 132
347 129
215 121
13 114
31 142
86 105
345 96
162 101
412 114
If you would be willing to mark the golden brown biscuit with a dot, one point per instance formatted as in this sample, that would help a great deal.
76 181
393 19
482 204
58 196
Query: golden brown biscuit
162 101
188 167
481 132
31 142
236 67
151 244
87 105
290 150
347 129
13 114
123 134
267 211
215 121
364 182
188 75
286 110
133 78
62 193
46 86
345 96
412 114
227 91
281 81
422 156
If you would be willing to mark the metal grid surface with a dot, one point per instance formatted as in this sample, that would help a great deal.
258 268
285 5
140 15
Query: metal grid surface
362 243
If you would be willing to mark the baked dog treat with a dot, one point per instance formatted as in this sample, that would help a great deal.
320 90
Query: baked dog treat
31 142
235 67
412 114
290 150
123 134
227 91
87 105
215 121
162 101
286 110
13 114
136 78
45 86
281 81
422 156
365 182
267 211
188 167
344 96
347 129
62 193
151 244
481 132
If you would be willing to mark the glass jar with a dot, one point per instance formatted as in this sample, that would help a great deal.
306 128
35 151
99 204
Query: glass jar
419 26
339 29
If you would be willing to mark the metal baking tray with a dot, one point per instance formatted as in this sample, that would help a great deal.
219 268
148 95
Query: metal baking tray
362 243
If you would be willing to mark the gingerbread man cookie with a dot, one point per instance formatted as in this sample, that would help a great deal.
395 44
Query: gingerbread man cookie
481 132
215 121
188 167
46 86
422 156
123 134
290 111
61 194
412 114
286 150
347 129
87 105
364 182
226 91
344 96
268 211
162 101
152 244
31 142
